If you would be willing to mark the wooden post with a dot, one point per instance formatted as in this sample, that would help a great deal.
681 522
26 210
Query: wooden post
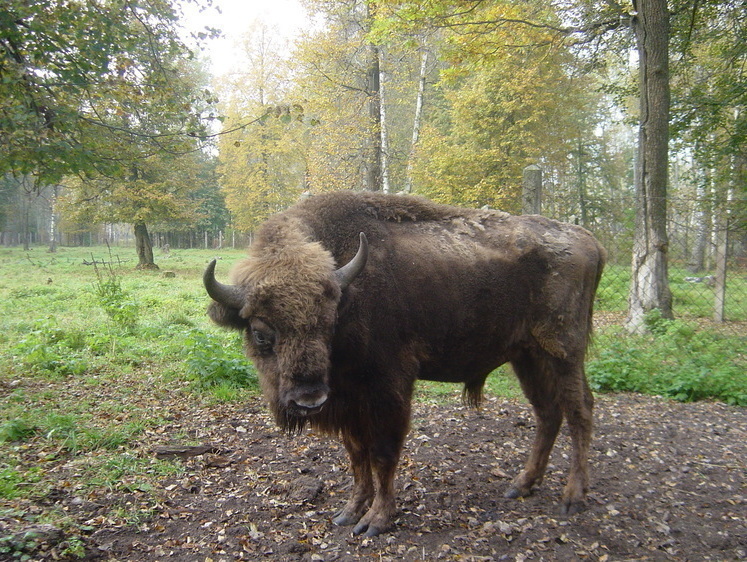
531 192
722 245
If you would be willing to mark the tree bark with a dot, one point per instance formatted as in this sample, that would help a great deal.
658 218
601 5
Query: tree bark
383 126
144 247
649 288
417 119
373 77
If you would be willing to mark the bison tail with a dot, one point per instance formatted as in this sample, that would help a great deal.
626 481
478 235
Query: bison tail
601 261
472 394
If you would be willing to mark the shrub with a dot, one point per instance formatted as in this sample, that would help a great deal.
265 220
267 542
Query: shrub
17 429
675 360
50 350
210 363
117 304
10 479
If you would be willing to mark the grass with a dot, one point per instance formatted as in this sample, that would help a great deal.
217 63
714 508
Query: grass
90 359
93 357
689 300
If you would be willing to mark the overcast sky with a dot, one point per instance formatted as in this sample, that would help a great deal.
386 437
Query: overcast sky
234 19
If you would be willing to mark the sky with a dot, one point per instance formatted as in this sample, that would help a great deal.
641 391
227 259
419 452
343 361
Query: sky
236 16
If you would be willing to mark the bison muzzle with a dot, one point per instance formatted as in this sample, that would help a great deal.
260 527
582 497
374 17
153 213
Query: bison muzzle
425 291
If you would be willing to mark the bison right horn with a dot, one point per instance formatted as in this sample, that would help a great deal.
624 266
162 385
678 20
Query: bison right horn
228 295
350 270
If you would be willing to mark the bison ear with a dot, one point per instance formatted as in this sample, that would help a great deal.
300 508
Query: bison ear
348 272
226 317
229 296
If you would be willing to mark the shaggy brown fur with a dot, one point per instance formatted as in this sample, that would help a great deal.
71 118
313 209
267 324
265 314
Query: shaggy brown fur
446 294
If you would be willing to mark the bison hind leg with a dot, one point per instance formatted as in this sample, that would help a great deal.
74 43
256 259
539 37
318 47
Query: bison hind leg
557 389
578 404
539 385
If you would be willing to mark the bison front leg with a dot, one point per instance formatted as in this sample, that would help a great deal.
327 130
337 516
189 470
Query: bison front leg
363 486
380 517
371 506
386 446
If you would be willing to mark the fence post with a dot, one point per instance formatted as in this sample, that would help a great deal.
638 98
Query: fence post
531 192
722 245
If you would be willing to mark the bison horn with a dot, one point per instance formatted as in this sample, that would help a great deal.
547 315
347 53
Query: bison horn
228 295
350 270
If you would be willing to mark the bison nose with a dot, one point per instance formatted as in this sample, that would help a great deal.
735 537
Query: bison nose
309 400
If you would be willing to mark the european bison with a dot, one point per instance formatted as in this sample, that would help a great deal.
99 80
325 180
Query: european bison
426 291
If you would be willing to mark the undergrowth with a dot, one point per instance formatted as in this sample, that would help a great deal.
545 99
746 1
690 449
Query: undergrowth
116 302
675 360
211 364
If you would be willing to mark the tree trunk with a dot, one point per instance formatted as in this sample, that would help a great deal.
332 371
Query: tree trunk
701 222
649 287
582 187
417 119
383 127
373 75
722 245
53 220
144 247
25 219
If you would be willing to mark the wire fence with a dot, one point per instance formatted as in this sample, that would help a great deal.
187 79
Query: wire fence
707 271
707 251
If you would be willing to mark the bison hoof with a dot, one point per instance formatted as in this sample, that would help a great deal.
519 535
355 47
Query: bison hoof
572 507
514 492
342 519
366 530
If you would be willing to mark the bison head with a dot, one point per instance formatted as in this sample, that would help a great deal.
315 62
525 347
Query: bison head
285 299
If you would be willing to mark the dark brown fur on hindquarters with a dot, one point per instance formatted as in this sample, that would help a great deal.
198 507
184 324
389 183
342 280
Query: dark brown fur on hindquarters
428 291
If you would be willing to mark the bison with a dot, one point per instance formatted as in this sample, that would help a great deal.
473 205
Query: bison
426 291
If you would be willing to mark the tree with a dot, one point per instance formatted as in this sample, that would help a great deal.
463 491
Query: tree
417 119
158 191
709 119
63 65
509 96
99 92
649 288
261 167
360 88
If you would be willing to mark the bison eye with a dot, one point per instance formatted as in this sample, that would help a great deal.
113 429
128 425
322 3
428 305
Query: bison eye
262 339
263 336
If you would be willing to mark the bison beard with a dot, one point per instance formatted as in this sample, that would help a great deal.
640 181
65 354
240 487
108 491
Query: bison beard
444 294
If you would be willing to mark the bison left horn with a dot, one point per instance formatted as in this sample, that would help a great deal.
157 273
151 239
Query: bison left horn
229 296
350 270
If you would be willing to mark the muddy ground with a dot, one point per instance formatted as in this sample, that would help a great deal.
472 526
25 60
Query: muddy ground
668 483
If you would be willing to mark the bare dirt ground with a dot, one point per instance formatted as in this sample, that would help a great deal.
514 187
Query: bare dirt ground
668 483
